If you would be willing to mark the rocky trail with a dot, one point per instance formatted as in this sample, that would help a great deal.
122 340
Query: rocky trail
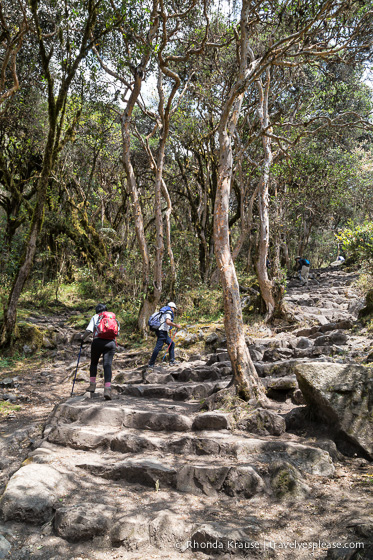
151 474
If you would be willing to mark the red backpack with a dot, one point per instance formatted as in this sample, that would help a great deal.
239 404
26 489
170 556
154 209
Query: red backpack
107 327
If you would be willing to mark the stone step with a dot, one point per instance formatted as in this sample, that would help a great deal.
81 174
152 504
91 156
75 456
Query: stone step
172 391
121 411
327 317
132 412
145 510
213 372
283 368
211 444
188 372
309 332
198 478
205 476
277 388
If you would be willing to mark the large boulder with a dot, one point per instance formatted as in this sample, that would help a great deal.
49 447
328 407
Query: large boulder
342 396
287 481
367 309
212 339
130 532
184 338
303 343
82 522
201 479
262 422
168 529
214 539
337 337
241 480
32 494
212 421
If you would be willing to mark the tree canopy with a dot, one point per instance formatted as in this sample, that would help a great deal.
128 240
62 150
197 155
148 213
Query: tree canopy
164 145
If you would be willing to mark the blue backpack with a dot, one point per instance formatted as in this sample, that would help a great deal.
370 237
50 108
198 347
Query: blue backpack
155 320
306 262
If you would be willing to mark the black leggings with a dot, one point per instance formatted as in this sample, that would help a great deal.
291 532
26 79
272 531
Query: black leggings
107 348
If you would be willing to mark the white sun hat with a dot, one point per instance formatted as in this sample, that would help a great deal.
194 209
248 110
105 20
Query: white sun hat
172 304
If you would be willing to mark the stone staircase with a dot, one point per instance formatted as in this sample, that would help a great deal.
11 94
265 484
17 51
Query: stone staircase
167 448
149 471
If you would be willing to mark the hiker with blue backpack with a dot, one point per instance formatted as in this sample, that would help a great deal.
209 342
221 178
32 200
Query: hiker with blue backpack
303 269
105 329
161 322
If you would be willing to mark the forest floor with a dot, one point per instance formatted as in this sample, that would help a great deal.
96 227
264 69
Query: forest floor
337 510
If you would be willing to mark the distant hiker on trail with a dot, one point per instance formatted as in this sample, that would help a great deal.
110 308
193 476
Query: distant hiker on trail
339 261
105 328
161 322
303 269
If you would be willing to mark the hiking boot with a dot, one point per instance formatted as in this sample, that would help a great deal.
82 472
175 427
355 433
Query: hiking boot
92 387
107 393
174 363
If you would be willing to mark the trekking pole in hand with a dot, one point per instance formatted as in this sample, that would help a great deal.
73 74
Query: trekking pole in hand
76 371
169 345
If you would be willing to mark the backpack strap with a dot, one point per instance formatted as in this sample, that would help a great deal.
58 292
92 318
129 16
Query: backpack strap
97 324
167 309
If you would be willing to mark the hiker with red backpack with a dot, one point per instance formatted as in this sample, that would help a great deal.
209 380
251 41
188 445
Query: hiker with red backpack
105 329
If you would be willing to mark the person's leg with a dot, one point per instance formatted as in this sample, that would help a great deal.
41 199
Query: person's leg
304 273
161 339
109 351
171 349
96 351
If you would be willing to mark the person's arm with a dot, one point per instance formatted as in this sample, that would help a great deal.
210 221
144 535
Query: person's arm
171 324
86 335
89 330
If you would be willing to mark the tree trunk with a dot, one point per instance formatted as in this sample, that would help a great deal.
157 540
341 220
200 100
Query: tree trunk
246 380
285 250
159 243
307 226
248 385
54 144
135 88
246 219
146 308
164 191
10 313
261 266
168 239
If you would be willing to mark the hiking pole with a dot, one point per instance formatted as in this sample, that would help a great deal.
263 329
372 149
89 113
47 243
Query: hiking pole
76 371
169 345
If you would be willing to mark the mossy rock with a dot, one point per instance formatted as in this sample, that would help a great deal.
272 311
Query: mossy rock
262 422
253 306
28 335
184 338
286 481
368 309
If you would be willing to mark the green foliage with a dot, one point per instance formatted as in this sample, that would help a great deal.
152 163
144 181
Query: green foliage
357 242
201 304
87 250
7 408
7 362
